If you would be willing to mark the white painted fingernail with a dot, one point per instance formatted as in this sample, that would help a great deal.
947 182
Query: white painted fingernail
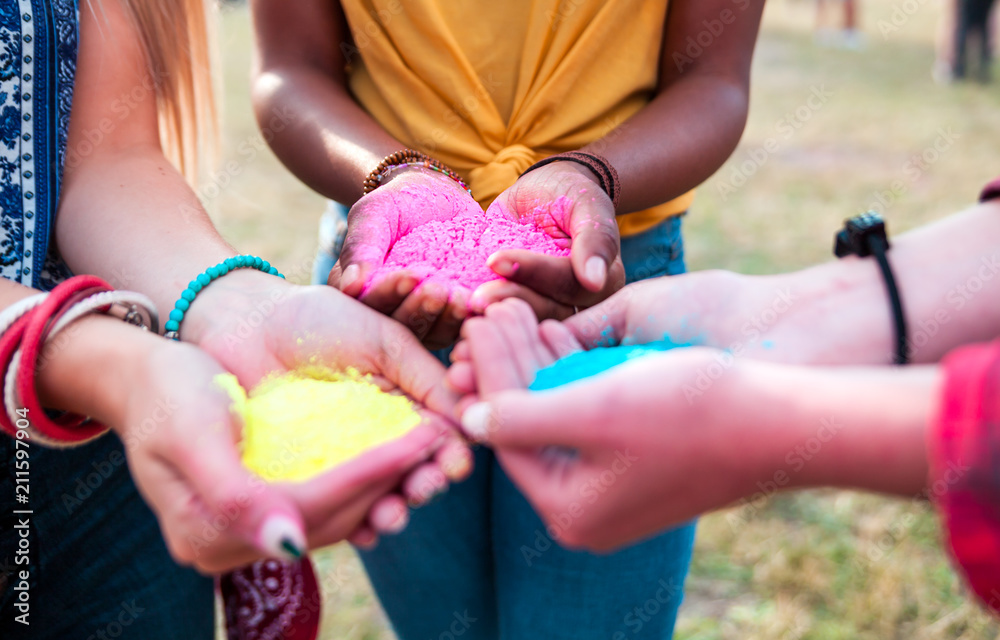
281 538
596 270
476 420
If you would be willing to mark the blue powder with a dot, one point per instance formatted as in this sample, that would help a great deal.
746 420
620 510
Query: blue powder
584 364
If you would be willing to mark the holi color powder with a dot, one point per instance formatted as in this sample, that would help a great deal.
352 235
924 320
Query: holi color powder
584 364
454 252
298 425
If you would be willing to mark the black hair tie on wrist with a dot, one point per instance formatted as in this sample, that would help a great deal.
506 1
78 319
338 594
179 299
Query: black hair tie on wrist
606 174
864 236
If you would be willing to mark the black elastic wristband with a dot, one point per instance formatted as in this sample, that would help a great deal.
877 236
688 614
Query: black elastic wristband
865 236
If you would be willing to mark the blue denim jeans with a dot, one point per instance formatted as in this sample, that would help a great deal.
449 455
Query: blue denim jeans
479 564
98 565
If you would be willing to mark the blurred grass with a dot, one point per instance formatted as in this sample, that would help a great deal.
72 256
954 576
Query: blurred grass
822 565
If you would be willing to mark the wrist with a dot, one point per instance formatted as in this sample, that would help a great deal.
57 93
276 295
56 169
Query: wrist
418 173
221 306
848 428
835 313
576 168
89 367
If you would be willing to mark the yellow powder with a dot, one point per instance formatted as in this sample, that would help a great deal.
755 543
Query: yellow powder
300 424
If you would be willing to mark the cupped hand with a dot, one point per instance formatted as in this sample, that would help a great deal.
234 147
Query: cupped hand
410 198
645 453
181 445
256 325
565 200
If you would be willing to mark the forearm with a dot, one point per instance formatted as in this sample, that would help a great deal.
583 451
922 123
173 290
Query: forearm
330 142
852 428
130 218
948 274
670 147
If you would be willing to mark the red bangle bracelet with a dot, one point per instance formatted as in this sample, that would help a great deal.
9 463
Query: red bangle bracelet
67 428
9 342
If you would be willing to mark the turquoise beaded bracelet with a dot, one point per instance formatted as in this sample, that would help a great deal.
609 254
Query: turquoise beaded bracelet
173 324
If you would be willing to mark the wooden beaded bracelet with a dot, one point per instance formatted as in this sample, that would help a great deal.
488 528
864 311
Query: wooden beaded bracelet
407 158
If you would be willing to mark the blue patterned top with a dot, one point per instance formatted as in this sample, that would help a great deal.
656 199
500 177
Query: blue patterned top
38 47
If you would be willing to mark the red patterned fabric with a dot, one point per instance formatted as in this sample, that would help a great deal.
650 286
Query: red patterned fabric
272 600
965 465
991 191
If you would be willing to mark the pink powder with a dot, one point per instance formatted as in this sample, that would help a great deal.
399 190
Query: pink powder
453 252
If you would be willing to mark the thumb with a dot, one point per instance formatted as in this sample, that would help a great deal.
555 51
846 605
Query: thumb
595 241
237 500
603 324
368 240
567 417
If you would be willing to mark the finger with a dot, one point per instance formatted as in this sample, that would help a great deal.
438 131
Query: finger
558 338
461 377
383 465
420 310
602 325
445 331
551 276
178 508
497 290
595 241
389 515
364 537
496 367
326 528
463 404
368 240
388 292
416 371
455 459
460 352
263 515
517 322
572 417
425 483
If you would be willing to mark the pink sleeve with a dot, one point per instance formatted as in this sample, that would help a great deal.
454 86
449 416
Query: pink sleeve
964 449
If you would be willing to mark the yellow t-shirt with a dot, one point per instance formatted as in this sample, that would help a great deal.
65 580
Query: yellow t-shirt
490 88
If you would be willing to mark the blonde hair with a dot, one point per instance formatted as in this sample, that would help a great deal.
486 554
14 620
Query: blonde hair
176 36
